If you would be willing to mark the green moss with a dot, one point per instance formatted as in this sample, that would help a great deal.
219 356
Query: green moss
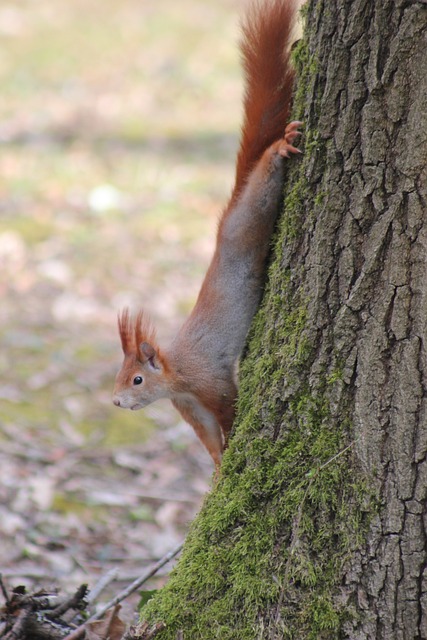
306 65
324 617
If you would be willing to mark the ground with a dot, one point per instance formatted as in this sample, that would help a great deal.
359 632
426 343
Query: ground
119 123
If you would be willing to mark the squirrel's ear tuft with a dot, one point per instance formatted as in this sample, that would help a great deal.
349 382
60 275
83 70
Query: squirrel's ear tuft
137 335
144 331
126 331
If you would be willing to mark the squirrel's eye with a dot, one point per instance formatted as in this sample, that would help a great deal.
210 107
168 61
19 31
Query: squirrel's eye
137 380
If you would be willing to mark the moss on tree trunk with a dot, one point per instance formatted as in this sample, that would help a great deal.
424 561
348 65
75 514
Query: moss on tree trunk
315 529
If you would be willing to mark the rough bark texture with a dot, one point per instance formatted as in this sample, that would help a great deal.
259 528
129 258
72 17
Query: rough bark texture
317 527
368 253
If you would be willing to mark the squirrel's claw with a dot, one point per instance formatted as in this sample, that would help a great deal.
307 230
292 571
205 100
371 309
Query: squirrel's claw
291 132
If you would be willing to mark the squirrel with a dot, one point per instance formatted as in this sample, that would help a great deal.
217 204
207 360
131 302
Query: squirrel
198 371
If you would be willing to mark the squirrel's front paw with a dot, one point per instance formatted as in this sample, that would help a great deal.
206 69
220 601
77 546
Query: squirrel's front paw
291 132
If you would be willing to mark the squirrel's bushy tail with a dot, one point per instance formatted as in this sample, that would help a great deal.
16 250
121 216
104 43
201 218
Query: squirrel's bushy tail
265 49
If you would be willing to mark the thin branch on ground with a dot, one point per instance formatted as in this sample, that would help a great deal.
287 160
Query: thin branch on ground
78 633
4 590
102 584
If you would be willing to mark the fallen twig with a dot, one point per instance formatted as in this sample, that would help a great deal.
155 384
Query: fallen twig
76 601
102 584
78 633
4 590
38 615
19 624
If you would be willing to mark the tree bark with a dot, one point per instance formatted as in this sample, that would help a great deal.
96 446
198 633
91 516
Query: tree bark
317 527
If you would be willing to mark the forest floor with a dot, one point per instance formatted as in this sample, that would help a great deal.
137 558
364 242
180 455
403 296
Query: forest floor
118 126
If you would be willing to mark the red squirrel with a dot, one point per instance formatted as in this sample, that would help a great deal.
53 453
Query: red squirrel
197 372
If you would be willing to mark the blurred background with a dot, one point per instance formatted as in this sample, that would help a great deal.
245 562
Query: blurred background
119 124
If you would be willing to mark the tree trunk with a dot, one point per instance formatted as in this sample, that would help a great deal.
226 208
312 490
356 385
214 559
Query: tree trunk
316 528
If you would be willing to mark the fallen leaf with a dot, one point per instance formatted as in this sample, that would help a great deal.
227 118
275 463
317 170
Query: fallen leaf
111 626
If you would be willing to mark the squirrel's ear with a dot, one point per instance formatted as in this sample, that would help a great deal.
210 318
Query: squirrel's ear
149 354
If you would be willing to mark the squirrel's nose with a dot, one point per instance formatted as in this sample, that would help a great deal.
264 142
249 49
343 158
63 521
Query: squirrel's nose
116 401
